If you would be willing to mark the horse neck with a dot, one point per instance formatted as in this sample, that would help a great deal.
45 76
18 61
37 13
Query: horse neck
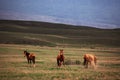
61 56
27 54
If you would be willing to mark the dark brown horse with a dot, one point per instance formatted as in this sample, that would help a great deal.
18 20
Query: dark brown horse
89 58
30 57
60 58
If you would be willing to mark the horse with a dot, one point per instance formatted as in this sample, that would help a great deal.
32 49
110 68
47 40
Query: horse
30 57
60 58
89 58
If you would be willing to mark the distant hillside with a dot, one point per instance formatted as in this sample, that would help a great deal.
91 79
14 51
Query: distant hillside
51 34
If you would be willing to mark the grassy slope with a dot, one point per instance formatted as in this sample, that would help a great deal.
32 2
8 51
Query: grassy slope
48 34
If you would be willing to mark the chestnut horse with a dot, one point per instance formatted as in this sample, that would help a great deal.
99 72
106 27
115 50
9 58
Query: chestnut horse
30 57
89 58
60 58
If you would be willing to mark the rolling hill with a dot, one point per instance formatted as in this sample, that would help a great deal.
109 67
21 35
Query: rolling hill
52 34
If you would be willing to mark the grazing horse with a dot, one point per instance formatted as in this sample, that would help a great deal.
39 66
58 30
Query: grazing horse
30 57
89 58
60 58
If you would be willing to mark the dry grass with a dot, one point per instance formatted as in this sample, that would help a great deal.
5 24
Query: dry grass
14 65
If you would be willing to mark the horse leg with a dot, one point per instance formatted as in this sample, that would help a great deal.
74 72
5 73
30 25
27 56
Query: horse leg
95 60
58 62
30 62
33 61
86 64
93 64
63 62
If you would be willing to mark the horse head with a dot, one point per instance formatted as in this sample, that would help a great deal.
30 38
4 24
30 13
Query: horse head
26 53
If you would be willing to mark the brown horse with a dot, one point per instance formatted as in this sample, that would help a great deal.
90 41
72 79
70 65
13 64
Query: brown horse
30 57
60 58
89 58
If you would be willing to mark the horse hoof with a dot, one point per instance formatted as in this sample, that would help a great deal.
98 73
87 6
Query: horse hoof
33 65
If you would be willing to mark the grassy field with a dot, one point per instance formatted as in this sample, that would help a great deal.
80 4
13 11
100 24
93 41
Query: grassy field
53 35
13 64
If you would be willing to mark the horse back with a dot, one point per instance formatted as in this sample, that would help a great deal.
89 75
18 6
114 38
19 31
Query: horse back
31 55
89 57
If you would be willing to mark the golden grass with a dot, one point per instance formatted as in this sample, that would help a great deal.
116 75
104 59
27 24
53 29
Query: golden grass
14 65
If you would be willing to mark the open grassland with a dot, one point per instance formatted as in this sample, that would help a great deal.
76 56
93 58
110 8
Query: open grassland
13 64
53 35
